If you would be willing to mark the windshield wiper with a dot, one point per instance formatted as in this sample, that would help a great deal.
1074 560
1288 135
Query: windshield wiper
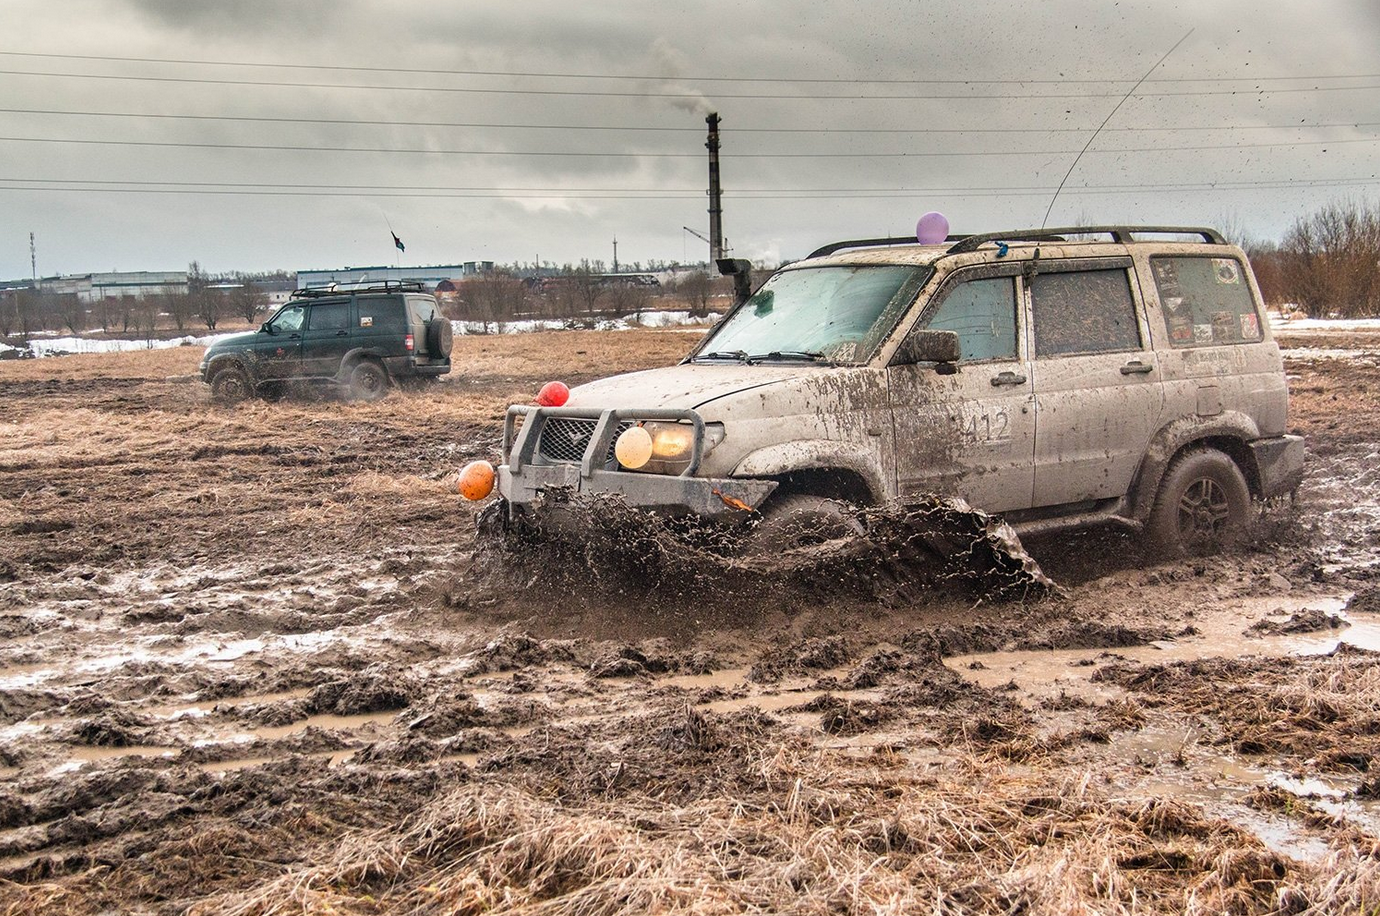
788 355
738 356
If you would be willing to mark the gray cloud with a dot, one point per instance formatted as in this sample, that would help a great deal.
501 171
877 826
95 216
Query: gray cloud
677 52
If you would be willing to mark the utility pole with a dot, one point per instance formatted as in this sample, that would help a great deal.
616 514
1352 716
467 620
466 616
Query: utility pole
716 212
33 259
615 254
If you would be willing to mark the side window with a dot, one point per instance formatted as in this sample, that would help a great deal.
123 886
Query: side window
334 316
983 314
382 313
289 320
1207 301
1083 311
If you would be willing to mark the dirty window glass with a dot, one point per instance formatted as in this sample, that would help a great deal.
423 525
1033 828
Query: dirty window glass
983 314
842 312
1083 311
422 310
382 313
289 320
332 317
1207 301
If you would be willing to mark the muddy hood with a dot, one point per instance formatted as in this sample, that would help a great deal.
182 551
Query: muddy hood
679 386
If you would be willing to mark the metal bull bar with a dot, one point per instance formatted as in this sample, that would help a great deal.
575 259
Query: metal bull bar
522 452
528 472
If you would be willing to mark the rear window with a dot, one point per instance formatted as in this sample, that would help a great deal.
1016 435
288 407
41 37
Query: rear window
423 310
1207 301
382 313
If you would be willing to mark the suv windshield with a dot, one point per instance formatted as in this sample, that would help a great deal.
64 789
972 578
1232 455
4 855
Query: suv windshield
839 314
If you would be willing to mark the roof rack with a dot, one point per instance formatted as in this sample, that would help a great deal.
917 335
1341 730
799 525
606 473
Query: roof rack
873 243
367 286
1118 234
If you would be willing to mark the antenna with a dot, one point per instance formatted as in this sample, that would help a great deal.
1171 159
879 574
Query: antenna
1050 208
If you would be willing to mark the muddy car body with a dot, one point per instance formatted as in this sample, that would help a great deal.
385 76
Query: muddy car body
1057 382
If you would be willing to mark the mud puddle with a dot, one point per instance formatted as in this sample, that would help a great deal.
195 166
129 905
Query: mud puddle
1278 808
1253 626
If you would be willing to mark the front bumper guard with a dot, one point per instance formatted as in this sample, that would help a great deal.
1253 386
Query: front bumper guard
527 476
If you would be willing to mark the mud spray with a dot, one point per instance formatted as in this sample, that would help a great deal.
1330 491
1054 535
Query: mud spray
588 551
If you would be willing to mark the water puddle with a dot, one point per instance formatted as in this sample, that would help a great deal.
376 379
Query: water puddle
1043 673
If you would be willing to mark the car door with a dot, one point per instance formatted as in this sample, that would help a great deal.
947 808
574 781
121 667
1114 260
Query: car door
277 349
1098 390
326 338
970 433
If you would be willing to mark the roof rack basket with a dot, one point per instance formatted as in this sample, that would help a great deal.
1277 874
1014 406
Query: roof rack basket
366 286
1117 233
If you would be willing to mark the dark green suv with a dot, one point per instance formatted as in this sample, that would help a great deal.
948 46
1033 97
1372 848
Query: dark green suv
361 340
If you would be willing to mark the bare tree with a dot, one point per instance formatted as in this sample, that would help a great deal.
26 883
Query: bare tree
491 300
1330 261
247 301
72 311
695 288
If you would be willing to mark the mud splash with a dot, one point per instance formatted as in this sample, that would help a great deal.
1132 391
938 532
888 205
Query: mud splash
599 550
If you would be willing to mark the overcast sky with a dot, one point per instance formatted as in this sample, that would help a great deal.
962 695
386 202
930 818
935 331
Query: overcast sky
511 131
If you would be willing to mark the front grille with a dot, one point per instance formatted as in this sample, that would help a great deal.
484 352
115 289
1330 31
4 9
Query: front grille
564 439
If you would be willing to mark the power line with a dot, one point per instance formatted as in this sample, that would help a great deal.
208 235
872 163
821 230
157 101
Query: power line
685 130
441 191
693 96
537 74
317 148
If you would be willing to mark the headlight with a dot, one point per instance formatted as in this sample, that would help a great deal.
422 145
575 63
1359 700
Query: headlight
659 447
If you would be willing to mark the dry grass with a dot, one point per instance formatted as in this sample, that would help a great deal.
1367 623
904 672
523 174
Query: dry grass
826 835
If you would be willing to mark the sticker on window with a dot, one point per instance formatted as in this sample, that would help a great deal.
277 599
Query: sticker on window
366 321
1174 303
1181 332
1250 327
1227 271
1202 333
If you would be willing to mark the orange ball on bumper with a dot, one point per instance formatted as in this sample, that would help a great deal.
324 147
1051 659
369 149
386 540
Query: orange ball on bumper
476 480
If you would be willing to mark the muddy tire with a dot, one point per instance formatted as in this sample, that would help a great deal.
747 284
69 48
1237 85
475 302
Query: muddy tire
368 382
802 520
1203 506
231 385
273 391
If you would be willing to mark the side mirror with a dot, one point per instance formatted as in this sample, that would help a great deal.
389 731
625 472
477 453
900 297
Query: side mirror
940 347
263 328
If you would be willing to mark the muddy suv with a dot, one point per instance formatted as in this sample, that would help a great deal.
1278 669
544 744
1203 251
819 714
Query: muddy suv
1059 378
360 339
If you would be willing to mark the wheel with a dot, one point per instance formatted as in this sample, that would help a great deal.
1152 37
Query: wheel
1203 505
231 385
368 382
803 520
440 337
273 391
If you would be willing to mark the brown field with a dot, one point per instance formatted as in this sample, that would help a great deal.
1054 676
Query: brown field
259 660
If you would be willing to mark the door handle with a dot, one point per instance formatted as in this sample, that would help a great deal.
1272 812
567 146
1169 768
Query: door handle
342 333
1136 367
1007 378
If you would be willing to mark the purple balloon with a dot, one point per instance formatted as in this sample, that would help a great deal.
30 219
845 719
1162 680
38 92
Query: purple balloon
932 229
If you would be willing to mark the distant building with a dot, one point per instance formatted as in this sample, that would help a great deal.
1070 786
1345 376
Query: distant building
430 277
135 284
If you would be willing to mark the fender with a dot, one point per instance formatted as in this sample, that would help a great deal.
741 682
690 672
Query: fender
353 358
816 455
234 358
1229 431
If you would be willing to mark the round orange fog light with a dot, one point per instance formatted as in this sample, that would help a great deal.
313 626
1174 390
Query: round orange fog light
476 480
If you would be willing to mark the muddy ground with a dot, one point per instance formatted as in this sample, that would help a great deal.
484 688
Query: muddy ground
256 660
